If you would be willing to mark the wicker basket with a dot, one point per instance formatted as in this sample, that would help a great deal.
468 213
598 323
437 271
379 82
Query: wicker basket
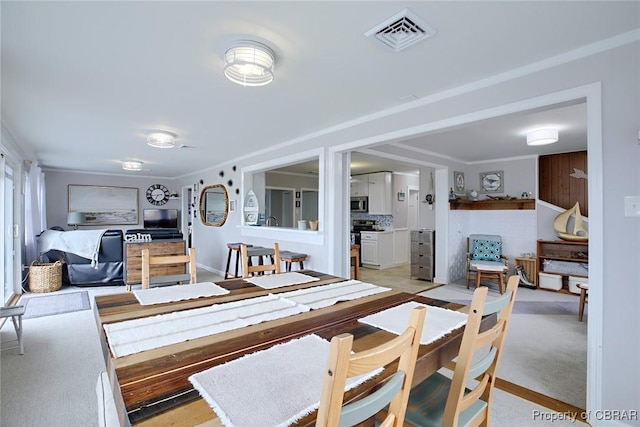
45 277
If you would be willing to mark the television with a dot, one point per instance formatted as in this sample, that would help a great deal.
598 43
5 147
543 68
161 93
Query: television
160 218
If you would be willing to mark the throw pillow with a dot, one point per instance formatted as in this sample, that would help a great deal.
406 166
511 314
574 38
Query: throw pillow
486 250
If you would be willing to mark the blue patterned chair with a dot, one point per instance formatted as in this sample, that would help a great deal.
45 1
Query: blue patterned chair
485 251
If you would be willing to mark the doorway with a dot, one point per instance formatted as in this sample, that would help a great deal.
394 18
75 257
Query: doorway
188 208
278 204
309 204
589 94
8 249
413 207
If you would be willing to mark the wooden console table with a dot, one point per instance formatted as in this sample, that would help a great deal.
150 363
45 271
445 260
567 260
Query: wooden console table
133 258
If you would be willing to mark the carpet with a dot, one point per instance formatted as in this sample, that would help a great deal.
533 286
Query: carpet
49 305
539 307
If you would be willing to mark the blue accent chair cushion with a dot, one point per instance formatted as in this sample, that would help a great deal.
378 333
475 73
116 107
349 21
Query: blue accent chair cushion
486 250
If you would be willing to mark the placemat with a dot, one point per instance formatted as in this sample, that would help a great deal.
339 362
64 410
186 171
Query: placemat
174 293
133 336
326 295
437 322
273 387
272 281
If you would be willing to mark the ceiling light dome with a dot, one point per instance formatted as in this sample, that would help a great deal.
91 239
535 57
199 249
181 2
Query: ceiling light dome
132 165
161 140
542 137
249 63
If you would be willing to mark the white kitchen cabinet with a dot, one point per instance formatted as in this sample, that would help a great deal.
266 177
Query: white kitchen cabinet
380 202
359 185
377 249
401 246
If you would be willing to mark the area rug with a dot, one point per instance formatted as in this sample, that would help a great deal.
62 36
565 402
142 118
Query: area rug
539 307
49 305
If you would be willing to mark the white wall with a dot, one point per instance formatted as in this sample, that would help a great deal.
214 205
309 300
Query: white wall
519 176
614 309
516 227
58 195
401 183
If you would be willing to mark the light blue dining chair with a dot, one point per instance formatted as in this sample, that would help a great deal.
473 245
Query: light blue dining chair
344 364
441 401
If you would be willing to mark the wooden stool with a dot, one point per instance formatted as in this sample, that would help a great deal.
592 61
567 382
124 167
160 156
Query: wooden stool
290 257
15 313
584 293
233 247
260 252
497 274
355 258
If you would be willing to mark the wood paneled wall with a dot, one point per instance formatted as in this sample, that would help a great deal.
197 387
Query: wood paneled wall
563 180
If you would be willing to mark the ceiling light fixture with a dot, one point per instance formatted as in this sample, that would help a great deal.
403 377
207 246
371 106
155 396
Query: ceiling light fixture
249 63
132 165
161 140
542 137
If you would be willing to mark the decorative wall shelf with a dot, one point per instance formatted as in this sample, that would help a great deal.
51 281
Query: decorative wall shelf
512 204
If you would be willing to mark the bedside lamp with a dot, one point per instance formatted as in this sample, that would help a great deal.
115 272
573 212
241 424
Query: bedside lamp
75 219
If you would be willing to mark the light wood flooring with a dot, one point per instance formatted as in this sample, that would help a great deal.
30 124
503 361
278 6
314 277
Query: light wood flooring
397 278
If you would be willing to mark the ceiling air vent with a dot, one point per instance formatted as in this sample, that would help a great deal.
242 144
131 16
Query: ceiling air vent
401 30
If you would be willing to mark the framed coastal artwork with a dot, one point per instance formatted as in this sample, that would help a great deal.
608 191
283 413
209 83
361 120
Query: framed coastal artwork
102 205
458 181
492 182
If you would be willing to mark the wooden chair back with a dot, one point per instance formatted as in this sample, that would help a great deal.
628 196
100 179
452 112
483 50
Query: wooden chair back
344 364
148 261
484 370
273 254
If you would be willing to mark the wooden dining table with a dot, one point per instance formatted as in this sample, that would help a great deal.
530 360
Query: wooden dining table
152 388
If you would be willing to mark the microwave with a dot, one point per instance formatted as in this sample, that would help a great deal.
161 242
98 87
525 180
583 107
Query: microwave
360 204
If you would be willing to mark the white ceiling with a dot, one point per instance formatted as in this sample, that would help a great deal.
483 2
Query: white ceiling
84 82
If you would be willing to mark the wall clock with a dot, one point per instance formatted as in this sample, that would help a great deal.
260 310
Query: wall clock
157 194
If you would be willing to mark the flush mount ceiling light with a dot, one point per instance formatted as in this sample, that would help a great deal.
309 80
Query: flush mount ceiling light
542 137
132 165
161 140
249 63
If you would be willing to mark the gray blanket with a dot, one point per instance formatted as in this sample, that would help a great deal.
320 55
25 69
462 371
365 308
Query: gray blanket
84 243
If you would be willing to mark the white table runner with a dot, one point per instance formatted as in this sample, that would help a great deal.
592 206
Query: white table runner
272 281
133 336
165 294
273 387
327 295
437 322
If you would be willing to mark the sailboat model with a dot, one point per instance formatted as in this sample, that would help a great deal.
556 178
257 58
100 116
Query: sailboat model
561 225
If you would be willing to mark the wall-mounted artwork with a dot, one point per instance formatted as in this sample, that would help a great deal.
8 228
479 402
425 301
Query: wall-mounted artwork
104 205
401 196
492 182
458 181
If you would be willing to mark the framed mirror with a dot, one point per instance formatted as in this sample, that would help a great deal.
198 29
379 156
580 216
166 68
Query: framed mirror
214 205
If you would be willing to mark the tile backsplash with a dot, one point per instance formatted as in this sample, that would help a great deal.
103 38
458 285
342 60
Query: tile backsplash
384 221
